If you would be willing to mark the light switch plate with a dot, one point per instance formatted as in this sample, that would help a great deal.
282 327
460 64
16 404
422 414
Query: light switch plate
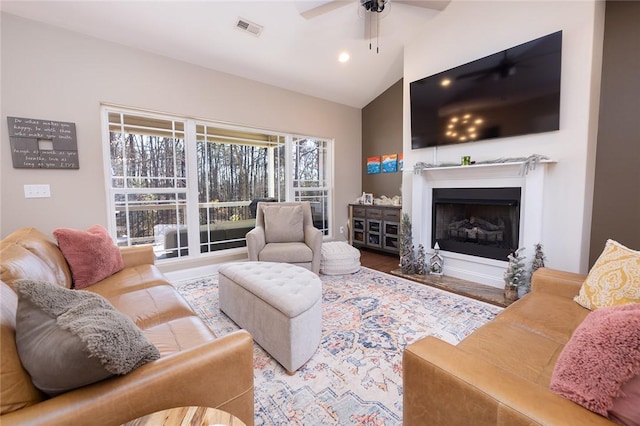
37 191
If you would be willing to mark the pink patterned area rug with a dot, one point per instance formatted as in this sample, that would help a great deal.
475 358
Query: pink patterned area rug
355 377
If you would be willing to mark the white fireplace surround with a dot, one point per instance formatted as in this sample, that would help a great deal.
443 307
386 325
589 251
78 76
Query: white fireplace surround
498 175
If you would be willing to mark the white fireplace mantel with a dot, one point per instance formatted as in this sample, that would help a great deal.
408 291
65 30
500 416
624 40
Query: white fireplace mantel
495 175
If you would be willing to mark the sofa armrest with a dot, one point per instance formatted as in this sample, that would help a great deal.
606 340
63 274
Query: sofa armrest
445 386
137 255
559 283
313 239
216 374
255 242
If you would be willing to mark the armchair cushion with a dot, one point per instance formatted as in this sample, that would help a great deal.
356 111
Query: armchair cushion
283 223
91 254
286 253
70 338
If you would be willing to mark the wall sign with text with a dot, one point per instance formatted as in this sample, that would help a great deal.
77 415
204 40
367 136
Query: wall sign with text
43 144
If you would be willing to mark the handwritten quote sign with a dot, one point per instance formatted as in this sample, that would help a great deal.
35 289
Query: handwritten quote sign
44 144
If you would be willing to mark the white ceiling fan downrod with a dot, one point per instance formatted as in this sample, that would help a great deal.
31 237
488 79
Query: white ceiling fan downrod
374 7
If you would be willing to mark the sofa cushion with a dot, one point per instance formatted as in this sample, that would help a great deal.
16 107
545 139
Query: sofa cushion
91 254
70 338
283 224
551 316
601 357
149 306
613 280
178 335
524 353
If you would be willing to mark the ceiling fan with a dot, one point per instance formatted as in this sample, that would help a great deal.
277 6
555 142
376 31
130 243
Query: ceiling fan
372 8
375 6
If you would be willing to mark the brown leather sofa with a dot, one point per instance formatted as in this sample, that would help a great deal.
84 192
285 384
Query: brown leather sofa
195 367
500 374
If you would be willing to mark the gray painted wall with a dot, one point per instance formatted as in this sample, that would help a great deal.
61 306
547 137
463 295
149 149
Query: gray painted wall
616 202
382 134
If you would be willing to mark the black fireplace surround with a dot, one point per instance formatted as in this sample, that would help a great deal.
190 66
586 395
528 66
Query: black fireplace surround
482 222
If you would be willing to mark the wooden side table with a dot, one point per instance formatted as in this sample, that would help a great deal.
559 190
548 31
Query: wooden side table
188 416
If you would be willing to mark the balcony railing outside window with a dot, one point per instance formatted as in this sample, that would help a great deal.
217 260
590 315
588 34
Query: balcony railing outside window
167 172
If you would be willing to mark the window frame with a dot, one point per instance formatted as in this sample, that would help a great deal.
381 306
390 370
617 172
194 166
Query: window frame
191 186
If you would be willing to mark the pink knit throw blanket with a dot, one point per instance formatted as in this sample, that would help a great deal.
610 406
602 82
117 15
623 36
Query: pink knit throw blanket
602 355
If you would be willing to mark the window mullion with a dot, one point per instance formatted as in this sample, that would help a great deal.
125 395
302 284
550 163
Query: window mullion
193 207
288 167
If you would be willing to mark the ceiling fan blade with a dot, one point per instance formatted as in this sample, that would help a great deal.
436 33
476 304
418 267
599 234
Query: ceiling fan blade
324 8
427 4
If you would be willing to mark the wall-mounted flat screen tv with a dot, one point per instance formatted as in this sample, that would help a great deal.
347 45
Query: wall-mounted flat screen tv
510 93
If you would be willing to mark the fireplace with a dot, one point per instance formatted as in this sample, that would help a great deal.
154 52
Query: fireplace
483 222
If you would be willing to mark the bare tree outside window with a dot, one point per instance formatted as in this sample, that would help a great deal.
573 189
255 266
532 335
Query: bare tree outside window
234 168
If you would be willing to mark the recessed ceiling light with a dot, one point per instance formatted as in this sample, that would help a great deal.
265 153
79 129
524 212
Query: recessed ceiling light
344 57
445 82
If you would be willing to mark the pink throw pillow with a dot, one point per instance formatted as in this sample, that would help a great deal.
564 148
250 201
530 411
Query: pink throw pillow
626 409
92 255
602 356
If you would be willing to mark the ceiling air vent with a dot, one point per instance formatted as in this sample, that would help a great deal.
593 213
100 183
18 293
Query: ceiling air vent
248 26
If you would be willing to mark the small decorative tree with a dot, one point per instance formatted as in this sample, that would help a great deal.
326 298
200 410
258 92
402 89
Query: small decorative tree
421 267
536 263
515 275
407 256
538 258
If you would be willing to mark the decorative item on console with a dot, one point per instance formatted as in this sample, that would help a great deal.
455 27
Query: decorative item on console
386 201
383 200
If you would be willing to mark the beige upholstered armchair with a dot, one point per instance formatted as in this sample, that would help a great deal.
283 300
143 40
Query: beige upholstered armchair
285 233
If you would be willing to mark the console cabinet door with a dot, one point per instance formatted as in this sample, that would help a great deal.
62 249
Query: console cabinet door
375 227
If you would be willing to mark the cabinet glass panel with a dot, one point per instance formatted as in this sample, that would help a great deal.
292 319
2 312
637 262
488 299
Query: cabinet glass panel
374 226
358 236
390 242
374 240
391 228
358 224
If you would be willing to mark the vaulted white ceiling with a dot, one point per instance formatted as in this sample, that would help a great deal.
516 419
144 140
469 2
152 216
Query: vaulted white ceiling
292 52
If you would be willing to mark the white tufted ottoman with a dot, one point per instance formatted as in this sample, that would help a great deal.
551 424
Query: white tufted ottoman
339 258
279 304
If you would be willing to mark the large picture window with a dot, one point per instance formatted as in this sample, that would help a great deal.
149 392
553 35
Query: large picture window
166 173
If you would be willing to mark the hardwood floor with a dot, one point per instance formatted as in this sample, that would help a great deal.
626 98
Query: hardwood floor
389 263
383 262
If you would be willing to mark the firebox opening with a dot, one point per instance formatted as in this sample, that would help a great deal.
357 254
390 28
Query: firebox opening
481 222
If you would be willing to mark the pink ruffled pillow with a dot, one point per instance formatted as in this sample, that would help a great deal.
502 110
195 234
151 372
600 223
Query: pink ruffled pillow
92 256
599 365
